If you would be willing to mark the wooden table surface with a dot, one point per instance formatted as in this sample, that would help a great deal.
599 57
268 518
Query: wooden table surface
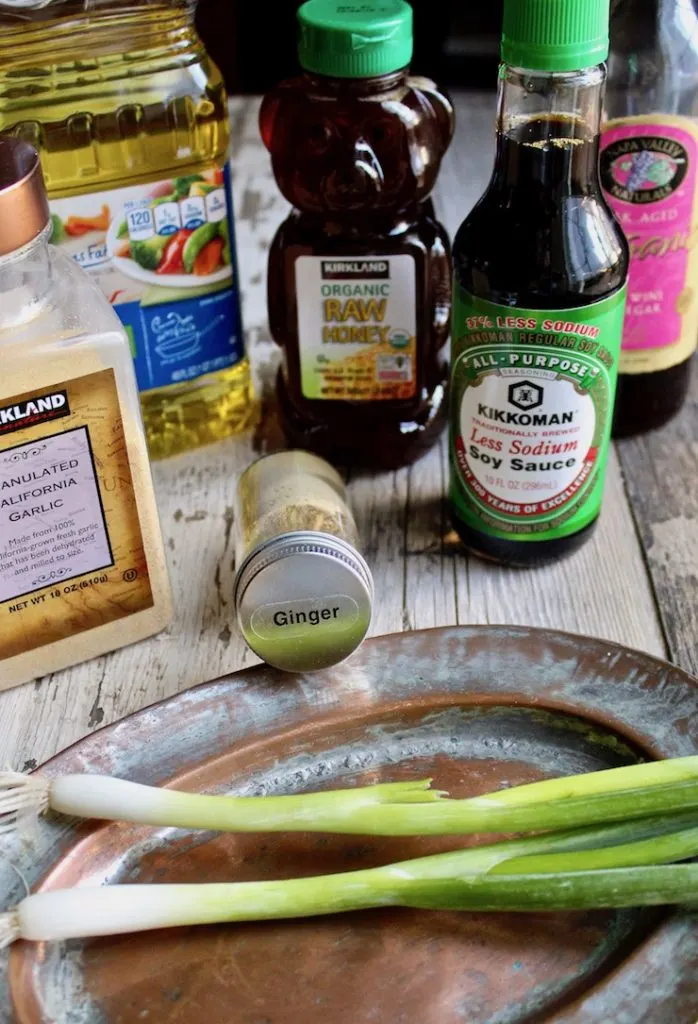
635 582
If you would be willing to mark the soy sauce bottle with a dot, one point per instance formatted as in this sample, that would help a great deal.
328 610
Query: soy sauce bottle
359 281
540 267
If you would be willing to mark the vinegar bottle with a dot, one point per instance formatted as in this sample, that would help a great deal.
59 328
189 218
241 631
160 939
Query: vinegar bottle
649 168
359 273
540 268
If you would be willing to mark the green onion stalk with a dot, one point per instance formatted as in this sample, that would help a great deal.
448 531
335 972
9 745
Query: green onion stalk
390 809
620 865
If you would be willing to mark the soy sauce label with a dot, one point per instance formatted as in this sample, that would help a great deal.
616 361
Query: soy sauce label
531 401
357 324
648 167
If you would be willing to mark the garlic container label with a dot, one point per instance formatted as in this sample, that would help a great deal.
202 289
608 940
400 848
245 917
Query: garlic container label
71 551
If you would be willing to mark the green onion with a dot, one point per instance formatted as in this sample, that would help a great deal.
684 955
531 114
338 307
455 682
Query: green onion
100 796
634 852
465 879
400 808
575 890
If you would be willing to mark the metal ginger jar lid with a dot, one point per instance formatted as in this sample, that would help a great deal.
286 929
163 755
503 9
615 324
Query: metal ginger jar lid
304 600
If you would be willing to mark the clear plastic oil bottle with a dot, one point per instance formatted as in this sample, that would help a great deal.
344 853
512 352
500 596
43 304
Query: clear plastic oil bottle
129 116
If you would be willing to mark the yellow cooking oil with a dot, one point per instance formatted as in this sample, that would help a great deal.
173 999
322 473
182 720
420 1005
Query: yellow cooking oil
129 116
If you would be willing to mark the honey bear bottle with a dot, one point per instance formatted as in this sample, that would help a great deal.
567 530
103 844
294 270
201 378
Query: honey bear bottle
359 273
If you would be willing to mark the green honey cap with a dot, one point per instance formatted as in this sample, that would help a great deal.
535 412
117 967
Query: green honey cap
555 35
359 40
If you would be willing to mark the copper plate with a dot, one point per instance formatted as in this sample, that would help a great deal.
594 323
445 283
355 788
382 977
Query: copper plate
472 707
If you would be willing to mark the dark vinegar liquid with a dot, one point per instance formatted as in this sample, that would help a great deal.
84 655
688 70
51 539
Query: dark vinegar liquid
645 401
542 237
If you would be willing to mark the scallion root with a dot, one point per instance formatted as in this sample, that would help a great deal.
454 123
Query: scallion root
22 799
9 928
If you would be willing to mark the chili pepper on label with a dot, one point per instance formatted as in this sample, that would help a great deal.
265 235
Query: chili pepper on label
172 257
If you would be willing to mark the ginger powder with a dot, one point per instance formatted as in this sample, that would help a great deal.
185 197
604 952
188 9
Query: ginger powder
303 593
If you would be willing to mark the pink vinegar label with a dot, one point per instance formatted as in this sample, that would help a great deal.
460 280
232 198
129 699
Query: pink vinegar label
648 173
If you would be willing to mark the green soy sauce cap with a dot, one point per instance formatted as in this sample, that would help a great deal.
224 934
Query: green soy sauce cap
355 40
555 35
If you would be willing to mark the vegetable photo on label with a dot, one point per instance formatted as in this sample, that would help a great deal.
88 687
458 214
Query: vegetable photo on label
150 253
172 258
180 230
167 264
208 258
58 232
76 226
196 243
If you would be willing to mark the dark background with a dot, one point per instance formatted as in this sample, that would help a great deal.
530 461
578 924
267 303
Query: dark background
253 41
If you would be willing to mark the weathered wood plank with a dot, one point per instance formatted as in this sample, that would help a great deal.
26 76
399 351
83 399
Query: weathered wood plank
661 478
379 502
601 590
422 577
431 571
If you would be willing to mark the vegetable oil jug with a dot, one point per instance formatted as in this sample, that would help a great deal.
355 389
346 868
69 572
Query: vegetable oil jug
129 117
